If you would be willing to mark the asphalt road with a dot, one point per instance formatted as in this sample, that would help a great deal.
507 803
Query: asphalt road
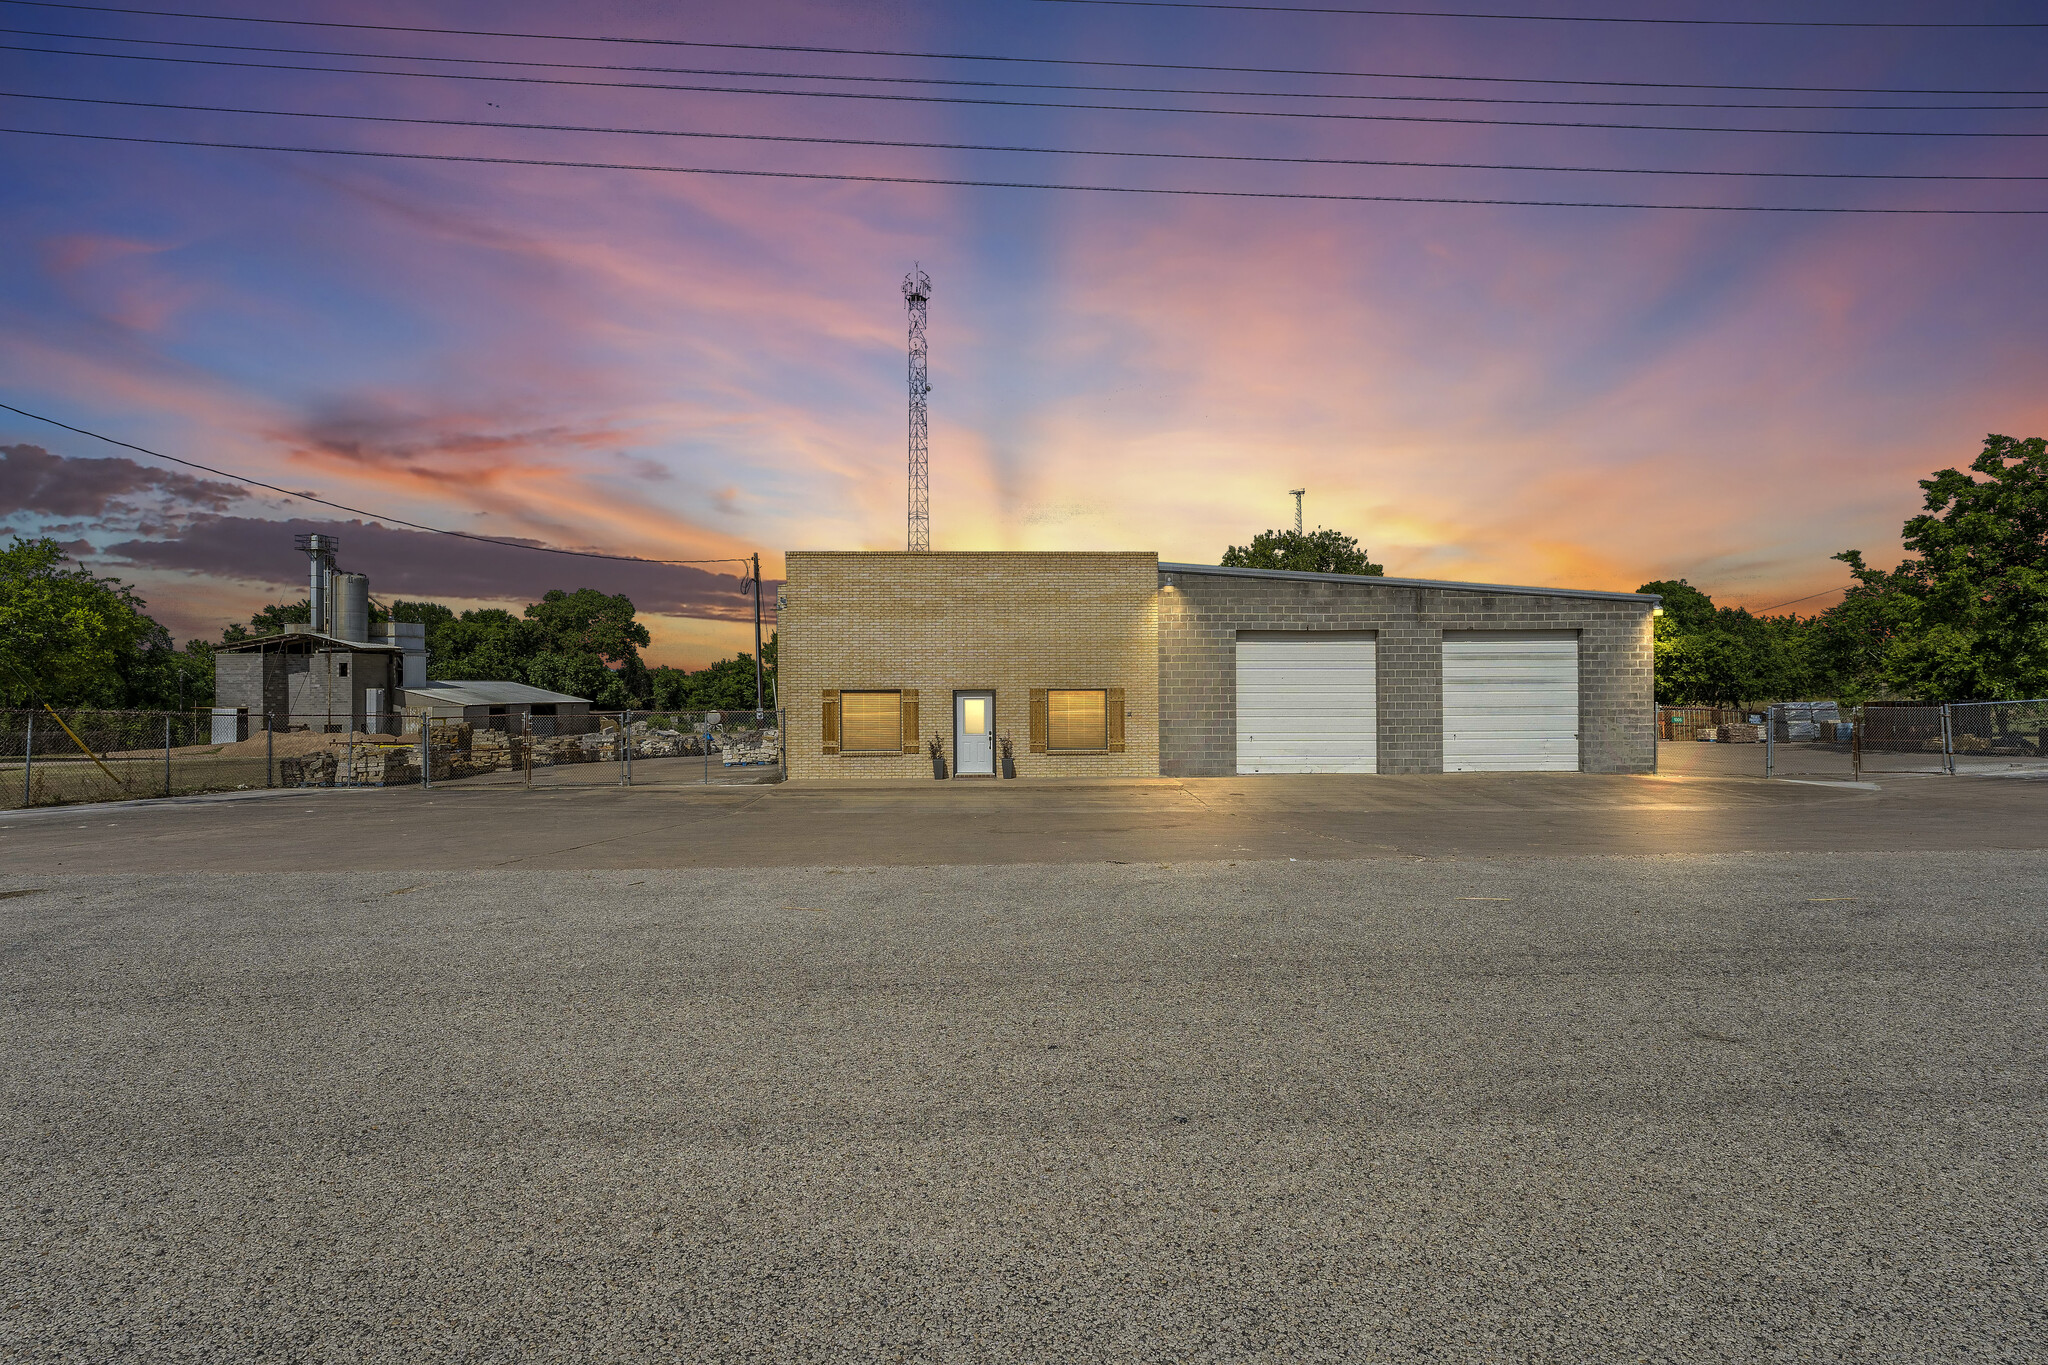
1672 1107
465 825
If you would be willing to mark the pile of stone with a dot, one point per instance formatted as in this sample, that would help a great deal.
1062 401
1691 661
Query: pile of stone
746 748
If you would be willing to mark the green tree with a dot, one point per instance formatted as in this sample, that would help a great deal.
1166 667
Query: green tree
482 643
589 623
727 685
1317 551
72 638
1687 610
428 614
1724 656
270 620
1967 617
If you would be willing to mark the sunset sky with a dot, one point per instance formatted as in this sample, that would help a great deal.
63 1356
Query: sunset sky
689 366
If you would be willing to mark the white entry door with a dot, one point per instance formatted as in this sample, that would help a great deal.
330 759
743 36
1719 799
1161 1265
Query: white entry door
1511 701
1307 702
974 733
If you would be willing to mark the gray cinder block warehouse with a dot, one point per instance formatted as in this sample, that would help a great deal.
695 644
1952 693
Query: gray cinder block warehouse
1117 665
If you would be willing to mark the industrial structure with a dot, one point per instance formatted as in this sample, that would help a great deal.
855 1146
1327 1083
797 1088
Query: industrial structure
917 292
1116 665
336 671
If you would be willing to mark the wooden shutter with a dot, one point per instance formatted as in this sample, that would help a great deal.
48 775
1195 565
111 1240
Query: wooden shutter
909 720
1037 720
831 720
1115 702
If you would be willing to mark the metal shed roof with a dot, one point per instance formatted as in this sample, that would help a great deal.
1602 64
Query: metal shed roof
1646 598
311 640
487 693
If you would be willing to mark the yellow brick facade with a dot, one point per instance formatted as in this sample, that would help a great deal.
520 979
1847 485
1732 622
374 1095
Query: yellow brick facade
944 622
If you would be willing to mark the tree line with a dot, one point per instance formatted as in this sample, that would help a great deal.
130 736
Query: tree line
74 638
1963 618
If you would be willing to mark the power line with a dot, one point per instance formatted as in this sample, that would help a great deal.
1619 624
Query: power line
1027 85
1797 600
342 507
896 98
999 147
1538 18
1015 184
994 57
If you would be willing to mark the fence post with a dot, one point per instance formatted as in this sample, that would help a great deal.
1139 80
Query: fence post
269 751
1771 740
167 753
427 750
1948 742
1856 744
28 764
526 746
625 748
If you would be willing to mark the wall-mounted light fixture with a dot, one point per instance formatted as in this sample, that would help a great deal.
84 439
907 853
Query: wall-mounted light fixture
1167 581
1656 611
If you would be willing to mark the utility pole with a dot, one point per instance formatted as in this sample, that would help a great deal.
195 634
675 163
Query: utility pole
757 635
1297 492
917 292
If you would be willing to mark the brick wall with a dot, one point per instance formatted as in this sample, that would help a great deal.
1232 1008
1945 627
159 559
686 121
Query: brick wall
945 622
1199 619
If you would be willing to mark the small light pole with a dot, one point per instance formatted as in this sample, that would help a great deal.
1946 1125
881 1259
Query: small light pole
167 754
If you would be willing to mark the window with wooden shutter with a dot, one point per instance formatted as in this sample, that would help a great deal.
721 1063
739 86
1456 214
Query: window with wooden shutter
831 727
1076 720
870 722
910 720
1037 720
1114 700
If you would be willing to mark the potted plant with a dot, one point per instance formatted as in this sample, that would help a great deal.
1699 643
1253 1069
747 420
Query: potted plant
1009 761
937 749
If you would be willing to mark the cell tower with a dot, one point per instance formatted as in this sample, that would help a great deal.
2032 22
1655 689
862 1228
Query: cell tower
917 292
1297 492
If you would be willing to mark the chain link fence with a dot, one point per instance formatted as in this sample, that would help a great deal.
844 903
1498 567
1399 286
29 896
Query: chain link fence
60 756
1879 739
1991 736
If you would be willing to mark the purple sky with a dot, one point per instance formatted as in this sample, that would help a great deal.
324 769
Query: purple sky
689 366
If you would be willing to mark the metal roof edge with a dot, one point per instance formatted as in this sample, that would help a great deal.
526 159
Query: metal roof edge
257 641
1444 584
482 686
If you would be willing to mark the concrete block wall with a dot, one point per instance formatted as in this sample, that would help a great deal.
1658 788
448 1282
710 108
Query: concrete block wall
1200 616
943 622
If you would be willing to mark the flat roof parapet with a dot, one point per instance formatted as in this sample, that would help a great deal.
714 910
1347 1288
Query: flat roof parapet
1646 598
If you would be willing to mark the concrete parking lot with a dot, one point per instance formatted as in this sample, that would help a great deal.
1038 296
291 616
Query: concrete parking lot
1500 1070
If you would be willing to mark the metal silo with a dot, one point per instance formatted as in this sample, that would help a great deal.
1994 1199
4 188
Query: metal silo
352 606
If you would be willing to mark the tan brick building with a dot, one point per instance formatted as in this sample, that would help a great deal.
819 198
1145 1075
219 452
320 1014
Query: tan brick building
1115 665
880 652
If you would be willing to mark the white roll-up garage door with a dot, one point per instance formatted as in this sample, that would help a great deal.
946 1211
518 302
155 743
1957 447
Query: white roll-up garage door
1306 702
1511 701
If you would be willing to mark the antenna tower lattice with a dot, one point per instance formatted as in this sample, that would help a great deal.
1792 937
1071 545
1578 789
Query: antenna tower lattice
917 292
1297 492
